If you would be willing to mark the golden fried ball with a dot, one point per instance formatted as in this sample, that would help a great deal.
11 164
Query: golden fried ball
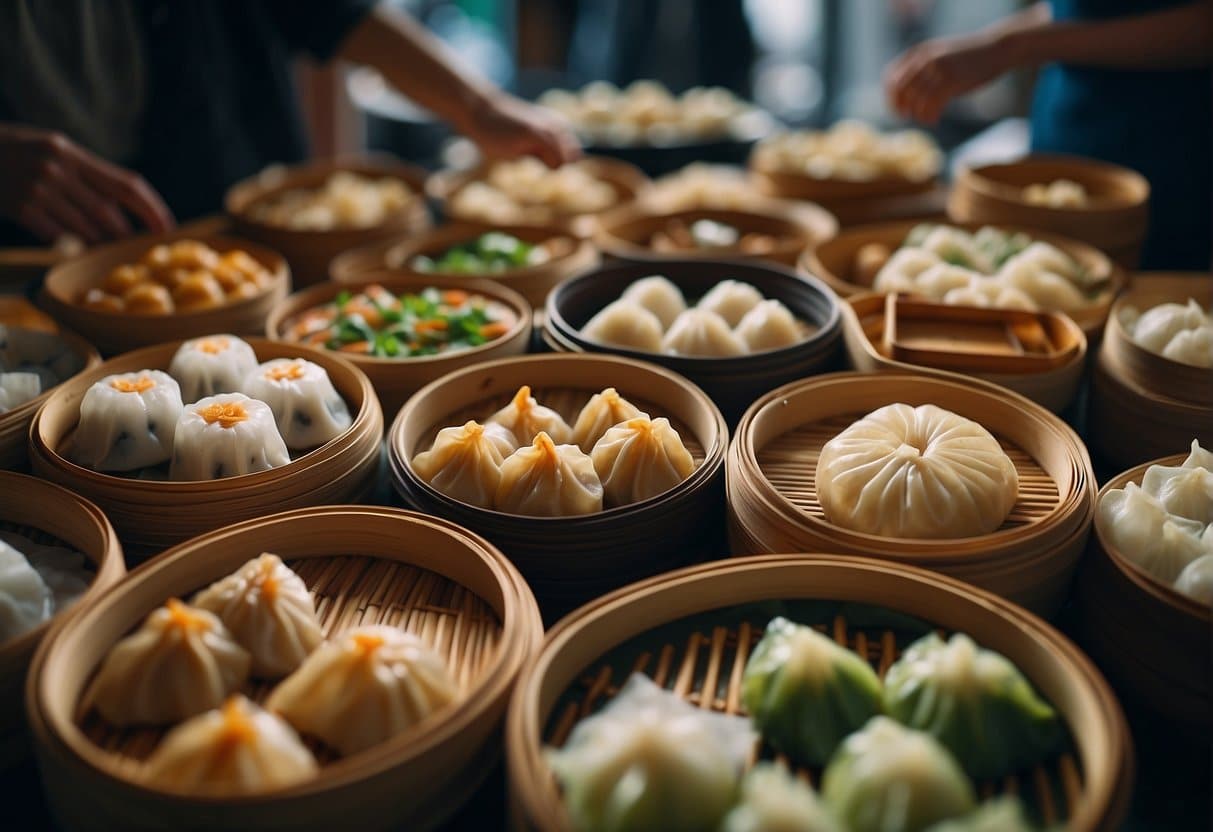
148 299
124 278
198 291
100 300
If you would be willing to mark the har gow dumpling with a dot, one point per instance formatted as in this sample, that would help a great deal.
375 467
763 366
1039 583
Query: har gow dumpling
127 421
773 800
1183 492
25 599
1196 579
238 749
659 295
548 480
465 462
769 326
211 365
603 411
702 333
226 436
1140 528
625 324
18 388
1198 457
639 459
308 409
525 418
1192 346
1156 327
731 300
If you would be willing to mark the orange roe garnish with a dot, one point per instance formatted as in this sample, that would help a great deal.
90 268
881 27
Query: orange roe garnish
212 346
285 372
184 618
228 414
139 385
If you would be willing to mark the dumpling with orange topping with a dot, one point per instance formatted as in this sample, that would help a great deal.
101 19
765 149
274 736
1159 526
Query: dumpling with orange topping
127 421
307 407
525 418
226 436
545 479
211 365
364 686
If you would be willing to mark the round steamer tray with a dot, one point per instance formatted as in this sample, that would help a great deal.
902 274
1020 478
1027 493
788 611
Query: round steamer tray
49 515
1159 664
113 333
1115 222
863 318
395 379
568 560
627 233
773 503
568 256
14 424
733 383
788 185
151 515
692 631
364 565
628 181
310 252
833 261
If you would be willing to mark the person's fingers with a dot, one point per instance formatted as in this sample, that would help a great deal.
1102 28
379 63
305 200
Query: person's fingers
127 189
33 218
66 214
104 213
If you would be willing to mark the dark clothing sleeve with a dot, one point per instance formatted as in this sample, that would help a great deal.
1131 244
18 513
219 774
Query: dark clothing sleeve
316 27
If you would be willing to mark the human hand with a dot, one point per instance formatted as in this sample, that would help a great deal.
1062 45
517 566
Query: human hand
921 82
503 126
51 186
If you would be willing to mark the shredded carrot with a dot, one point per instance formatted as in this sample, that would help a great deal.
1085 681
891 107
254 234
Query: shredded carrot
435 324
455 297
357 346
494 329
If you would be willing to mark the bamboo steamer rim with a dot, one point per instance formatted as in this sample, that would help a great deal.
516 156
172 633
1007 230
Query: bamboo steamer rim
984 180
520 637
157 357
798 183
1150 585
315 296
82 348
535 794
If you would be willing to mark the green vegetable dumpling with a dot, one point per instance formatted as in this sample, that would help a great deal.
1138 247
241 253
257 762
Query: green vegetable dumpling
773 800
1002 814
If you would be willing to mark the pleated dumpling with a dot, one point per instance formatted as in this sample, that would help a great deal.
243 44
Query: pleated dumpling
731 300
639 459
1002 814
702 333
1196 579
601 413
1183 491
25 599
226 436
465 462
180 662
659 295
1140 528
364 686
307 407
525 418
269 611
769 326
127 421
544 479
211 365
1198 457
625 324
774 800
237 749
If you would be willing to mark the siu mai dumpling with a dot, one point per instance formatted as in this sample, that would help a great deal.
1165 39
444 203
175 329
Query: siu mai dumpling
626 324
237 749
525 418
269 611
307 407
639 459
702 333
127 421
211 365
659 295
769 326
731 300
548 480
364 686
465 462
180 662
226 436
601 413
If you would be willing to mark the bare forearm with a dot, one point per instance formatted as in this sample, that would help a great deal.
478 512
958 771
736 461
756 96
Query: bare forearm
1035 15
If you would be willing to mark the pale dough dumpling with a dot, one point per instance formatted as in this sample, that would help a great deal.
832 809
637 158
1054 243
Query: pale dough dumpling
214 364
465 462
702 333
731 299
626 324
916 472
127 421
639 459
1196 580
307 407
549 480
226 436
602 412
659 295
525 418
769 326
25 599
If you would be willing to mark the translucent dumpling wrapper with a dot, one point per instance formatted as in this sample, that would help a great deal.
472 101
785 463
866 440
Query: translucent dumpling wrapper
938 281
650 762
639 459
659 295
1049 258
975 702
957 247
525 418
211 365
889 778
702 333
916 472
465 462
44 354
626 324
805 692
365 686
1002 814
237 749
544 479
901 269
226 436
1196 579
1156 327
25 599
1198 457
18 388
127 421
268 610
1192 346
180 662
66 572
601 413
769 326
730 299
1183 492
1047 289
1140 528
308 409
773 800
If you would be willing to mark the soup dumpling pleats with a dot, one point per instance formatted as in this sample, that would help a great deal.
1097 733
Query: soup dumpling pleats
639 459
603 411
525 418
465 462
549 480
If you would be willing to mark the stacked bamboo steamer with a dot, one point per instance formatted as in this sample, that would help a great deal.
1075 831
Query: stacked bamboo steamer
363 565
773 505
48 515
691 631
1140 401
569 560
152 515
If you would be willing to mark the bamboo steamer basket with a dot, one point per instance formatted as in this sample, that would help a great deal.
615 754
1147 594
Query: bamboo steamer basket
863 321
733 383
627 233
1142 402
363 565
628 182
1030 559
568 255
310 252
394 379
692 631
1153 641
1115 221
49 515
113 333
151 515
14 423
567 560
834 262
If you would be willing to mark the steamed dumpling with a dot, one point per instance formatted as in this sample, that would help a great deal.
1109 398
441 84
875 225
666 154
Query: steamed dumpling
25 599
626 324
1192 346
956 246
226 436
702 333
307 407
1047 289
773 800
659 295
903 268
525 418
1002 814
601 413
18 388
1183 491
768 326
1156 327
1196 579
214 364
1140 528
127 421
730 299
465 462
1198 457
548 480
639 459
